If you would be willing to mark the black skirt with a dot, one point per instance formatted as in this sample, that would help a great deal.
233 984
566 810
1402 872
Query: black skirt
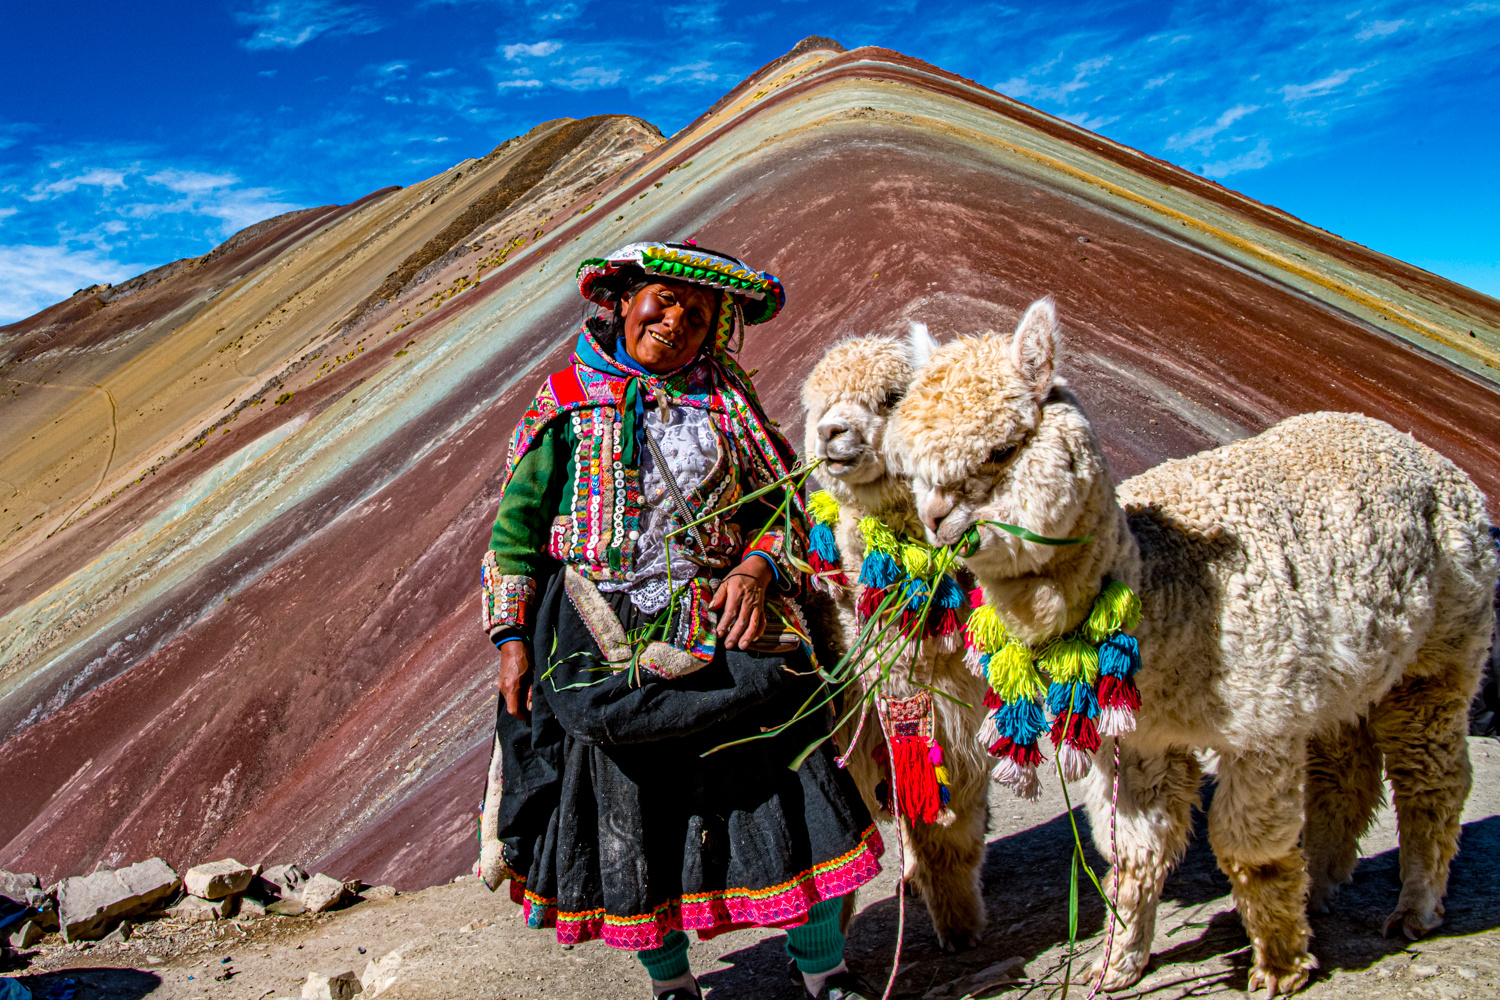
619 828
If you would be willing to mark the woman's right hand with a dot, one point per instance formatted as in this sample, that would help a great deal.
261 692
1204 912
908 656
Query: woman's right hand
515 665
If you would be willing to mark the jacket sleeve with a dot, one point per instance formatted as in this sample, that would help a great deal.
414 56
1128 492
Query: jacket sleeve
517 554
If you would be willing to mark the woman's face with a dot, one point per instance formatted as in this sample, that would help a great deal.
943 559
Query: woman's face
666 323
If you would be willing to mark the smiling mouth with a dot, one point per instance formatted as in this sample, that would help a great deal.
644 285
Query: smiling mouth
662 340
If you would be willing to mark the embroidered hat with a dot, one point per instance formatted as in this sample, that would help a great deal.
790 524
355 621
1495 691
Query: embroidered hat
758 294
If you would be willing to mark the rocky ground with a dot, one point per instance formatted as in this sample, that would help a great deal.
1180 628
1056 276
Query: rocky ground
459 941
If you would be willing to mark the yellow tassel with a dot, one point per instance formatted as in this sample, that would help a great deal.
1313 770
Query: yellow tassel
942 775
1069 660
878 537
986 634
943 560
1116 608
916 559
1012 675
822 507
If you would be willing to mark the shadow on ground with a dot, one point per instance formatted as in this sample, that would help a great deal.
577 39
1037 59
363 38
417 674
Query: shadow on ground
91 984
1026 878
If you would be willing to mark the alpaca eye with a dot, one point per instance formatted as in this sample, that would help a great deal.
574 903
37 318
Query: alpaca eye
1001 455
893 397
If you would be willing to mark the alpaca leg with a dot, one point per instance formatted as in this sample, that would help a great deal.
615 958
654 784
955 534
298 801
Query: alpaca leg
1343 792
1253 825
1152 823
1421 726
947 872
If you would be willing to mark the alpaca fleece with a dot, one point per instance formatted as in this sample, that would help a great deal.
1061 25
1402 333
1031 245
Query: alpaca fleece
1315 599
847 398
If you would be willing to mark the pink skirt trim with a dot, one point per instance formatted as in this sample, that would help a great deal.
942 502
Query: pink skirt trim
710 913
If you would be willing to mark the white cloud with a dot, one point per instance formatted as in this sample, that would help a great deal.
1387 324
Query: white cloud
6 213
590 78
535 49
1318 88
191 181
1091 122
1202 136
287 24
104 179
524 84
698 72
1379 29
1253 160
34 277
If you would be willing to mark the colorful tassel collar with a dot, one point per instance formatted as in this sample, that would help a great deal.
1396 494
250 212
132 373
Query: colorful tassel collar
1090 692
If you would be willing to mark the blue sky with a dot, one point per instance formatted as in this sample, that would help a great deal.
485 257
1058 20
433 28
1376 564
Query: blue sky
135 134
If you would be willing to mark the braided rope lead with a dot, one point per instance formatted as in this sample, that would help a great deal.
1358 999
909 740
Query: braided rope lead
1114 867
901 862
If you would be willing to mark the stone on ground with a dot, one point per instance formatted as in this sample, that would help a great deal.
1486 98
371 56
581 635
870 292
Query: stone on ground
331 986
218 879
286 908
89 905
286 880
322 893
26 935
14 886
380 973
380 892
251 907
197 910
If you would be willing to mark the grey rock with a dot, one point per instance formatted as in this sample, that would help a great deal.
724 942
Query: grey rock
380 973
196 909
286 908
89 905
380 892
251 907
218 879
120 934
285 880
331 986
15 886
1424 971
26 935
323 893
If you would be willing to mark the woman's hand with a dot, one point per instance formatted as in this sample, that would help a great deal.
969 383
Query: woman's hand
515 664
741 603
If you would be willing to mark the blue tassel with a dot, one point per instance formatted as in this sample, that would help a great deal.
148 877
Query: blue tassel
823 543
880 570
950 596
1078 696
1119 655
1022 721
914 593
943 794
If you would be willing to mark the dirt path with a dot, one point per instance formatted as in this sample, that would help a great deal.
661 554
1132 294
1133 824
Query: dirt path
459 941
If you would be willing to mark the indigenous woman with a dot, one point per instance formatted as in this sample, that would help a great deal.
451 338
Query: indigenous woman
644 599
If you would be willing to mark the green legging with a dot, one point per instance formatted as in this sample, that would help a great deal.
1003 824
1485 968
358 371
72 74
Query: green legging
817 946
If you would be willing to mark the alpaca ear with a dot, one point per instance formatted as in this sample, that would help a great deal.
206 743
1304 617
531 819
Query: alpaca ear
1036 345
920 344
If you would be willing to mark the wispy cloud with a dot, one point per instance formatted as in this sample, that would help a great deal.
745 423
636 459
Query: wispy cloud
1202 136
1379 29
287 24
1256 158
1302 91
34 277
536 49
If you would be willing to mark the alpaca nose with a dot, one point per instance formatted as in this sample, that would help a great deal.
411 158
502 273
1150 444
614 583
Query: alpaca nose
934 509
830 429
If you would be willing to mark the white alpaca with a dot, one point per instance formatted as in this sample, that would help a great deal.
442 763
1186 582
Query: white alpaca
848 397
1313 598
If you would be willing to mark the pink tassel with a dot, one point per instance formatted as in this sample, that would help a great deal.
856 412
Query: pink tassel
1116 721
1075 762
935 755
972 661
992 700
